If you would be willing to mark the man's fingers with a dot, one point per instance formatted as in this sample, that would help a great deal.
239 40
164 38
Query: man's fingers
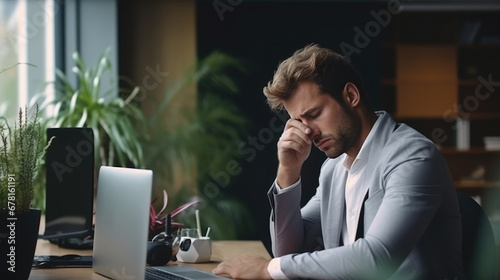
299 125
221 271
294 139
244 267
226 269
296 135
298 146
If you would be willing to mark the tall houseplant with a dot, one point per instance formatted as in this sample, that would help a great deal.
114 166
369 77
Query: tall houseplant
200 144
20 157
116 121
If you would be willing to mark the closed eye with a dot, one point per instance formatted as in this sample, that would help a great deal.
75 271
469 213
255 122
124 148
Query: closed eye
311 114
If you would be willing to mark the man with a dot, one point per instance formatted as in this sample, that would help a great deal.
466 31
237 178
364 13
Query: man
385 207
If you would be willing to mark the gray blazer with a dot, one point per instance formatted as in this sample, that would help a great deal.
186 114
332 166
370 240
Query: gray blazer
411 221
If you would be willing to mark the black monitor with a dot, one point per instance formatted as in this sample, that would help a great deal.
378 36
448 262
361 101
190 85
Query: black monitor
69 183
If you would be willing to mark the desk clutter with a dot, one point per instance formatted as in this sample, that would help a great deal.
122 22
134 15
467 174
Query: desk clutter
188 245
121 216
221 250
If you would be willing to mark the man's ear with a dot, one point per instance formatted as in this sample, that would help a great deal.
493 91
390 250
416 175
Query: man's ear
352 96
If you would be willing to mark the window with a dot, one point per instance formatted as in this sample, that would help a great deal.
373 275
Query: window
36 36
26 52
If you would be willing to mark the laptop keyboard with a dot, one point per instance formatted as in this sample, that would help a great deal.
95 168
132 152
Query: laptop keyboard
156 274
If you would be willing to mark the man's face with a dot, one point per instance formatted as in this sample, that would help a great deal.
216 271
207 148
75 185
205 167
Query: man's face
334 128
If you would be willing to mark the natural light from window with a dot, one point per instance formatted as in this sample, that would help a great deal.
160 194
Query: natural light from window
26 53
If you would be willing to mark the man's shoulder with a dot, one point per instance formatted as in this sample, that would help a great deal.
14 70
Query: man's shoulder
406 143
406 136
400 139
393 134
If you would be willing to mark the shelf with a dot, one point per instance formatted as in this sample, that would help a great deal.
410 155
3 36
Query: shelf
473 150
476 184
435 72
479 116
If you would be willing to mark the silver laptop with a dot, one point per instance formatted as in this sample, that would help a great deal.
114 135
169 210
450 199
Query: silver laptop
121 228
122 222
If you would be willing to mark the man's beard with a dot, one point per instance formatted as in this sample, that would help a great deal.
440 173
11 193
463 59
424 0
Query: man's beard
348 132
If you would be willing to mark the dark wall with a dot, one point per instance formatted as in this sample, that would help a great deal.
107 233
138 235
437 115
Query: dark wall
263 33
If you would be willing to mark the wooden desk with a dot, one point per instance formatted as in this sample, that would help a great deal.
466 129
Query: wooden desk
221 250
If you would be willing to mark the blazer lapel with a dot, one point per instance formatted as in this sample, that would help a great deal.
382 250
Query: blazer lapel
360 231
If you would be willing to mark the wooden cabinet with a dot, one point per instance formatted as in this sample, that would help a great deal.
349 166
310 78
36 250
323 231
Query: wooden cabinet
441 75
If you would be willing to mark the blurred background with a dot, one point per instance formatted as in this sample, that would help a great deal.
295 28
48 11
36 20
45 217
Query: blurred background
191 73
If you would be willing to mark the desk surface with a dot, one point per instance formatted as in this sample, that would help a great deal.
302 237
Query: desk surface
221 250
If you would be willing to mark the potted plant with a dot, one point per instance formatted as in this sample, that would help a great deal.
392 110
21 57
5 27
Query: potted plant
20 157
158 219
117 123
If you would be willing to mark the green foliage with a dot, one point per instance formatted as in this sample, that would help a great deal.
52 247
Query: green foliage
201 144
198 144
20 158
116 122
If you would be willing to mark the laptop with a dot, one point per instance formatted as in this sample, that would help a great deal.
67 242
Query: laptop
122 225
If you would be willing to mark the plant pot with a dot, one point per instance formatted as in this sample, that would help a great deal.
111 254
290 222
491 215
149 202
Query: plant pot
18 237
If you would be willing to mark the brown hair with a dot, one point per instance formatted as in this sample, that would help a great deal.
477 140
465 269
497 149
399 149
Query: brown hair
328 69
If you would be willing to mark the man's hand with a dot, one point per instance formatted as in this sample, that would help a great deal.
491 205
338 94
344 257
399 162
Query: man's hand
244 267
294 147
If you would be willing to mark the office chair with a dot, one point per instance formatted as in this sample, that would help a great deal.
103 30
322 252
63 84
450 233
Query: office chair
478 242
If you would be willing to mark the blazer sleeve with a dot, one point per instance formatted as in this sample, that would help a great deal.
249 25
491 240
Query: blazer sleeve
294 230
